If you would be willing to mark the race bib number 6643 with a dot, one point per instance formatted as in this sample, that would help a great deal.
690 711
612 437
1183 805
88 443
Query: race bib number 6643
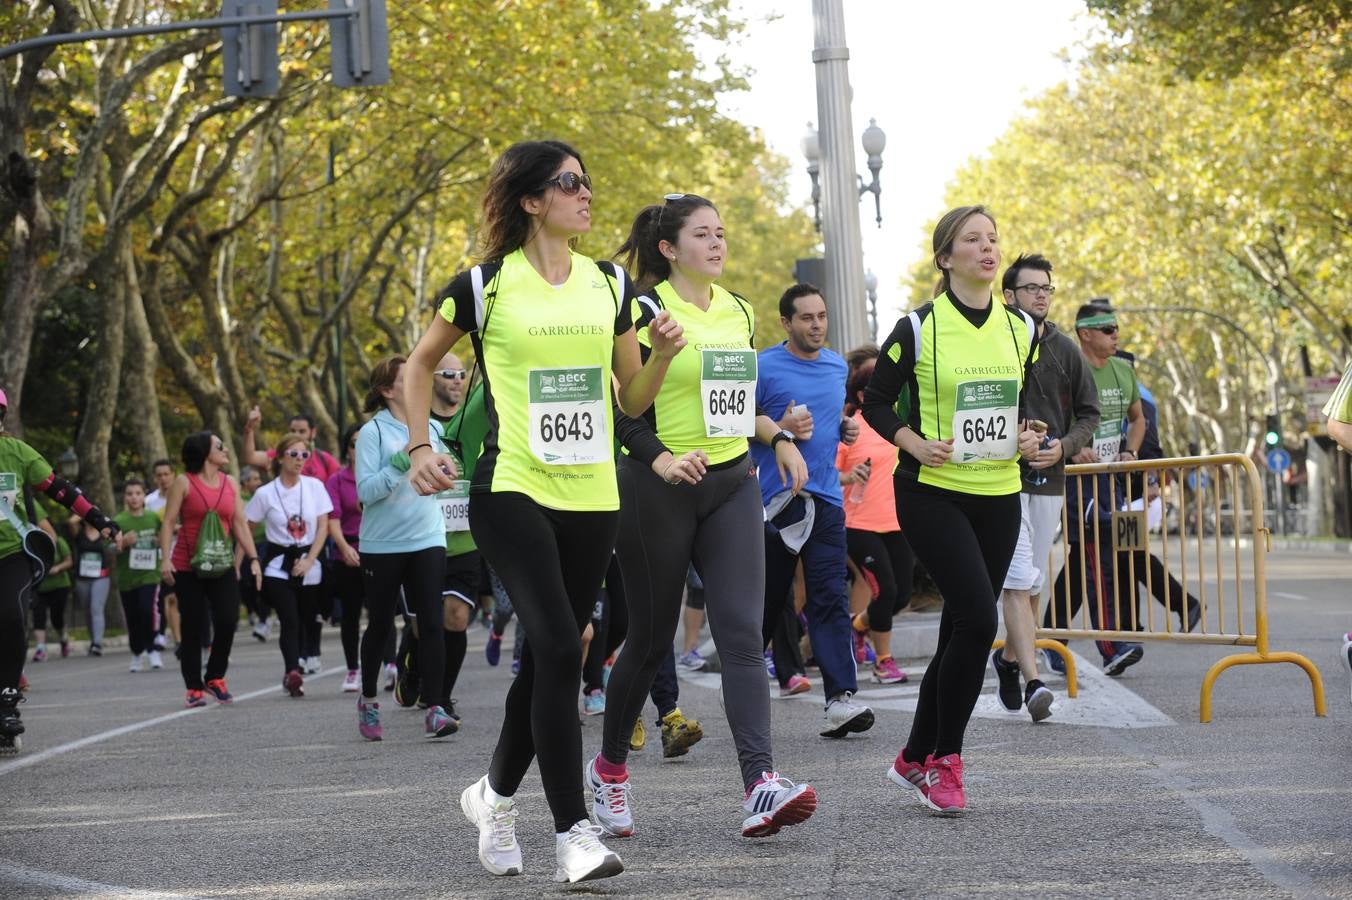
567 416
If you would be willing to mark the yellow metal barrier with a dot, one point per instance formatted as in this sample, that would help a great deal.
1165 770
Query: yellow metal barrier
1203 508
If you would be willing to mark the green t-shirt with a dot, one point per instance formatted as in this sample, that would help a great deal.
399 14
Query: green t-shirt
139 565
20 465
260 529
1340 404
468 426
61 579
1117 391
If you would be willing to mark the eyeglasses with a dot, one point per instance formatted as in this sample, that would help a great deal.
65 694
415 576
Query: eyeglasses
1036 288
1107 329
451 374
569 182
298 454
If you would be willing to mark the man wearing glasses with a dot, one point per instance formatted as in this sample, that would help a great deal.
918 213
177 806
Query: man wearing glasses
1060 393
448 387
320 465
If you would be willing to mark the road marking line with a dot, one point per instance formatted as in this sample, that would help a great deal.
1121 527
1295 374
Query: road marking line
1103 702
24 762
1286 596
21 875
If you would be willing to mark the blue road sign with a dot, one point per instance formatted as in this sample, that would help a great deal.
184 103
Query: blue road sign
1278 460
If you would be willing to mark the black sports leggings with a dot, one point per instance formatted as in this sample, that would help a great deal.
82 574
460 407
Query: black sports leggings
138 606
420 573
348 590
203 600
551 562
715 524
295 604
53 602
886 559
965 541
15 579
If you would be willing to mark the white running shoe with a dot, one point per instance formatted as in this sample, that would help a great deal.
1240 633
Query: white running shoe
260 629
391 676
155 661
136 663
775 802
844 716
610 803
498 850
352 681
1039 703
582 856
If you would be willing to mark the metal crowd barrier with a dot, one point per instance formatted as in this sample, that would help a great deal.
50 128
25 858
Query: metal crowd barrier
1189 529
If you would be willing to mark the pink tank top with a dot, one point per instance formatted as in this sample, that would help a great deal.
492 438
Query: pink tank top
200 498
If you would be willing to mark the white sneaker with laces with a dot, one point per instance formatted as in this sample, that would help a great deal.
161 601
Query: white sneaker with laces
136 663
352 681
844 716
260 630
610 803
155 661
498 850
582 856
391 675
775 802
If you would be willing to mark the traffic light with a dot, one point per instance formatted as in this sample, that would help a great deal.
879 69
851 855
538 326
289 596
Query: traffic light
360 44
249 52
1273 436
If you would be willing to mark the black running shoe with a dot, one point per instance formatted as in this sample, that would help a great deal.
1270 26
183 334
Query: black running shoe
10 724
1126 655
1011 695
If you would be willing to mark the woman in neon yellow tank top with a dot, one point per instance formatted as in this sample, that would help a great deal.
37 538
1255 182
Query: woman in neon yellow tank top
551 328
959 361
690 496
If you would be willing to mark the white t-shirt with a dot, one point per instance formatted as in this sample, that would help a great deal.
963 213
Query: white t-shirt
290 515
155 501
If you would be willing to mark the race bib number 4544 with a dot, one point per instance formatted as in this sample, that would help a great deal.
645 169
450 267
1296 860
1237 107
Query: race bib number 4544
985 420
567 416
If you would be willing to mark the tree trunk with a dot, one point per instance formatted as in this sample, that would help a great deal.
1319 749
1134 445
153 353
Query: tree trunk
96 425
140 404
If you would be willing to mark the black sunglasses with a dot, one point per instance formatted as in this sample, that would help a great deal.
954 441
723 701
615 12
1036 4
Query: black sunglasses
569 182
1107 329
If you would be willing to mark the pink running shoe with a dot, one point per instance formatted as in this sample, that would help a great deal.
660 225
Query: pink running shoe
293 683
860 646
910 775
886 671
798 684
945 795
368 719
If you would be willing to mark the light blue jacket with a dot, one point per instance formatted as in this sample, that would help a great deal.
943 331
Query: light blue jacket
394 518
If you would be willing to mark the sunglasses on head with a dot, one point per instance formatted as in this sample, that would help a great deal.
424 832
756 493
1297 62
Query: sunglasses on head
1107 329
451 374
298 454
569 182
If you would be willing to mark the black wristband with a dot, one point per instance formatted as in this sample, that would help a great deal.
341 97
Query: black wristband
783 435
417 447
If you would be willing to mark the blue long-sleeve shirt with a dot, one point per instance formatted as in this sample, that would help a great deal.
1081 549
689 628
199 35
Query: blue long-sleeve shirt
395 518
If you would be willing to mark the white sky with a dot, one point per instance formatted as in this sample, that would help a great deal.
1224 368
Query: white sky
942 79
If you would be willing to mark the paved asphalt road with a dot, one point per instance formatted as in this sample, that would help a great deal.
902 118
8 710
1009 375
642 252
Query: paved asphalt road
120 793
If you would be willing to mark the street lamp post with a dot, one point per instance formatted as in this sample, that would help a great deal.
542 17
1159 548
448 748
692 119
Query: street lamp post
840 183
871 285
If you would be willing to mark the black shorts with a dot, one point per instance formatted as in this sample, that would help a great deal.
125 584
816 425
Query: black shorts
462 578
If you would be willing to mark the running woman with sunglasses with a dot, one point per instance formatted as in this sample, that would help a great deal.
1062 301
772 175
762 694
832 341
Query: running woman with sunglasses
205 487
689 494
294 508
551 328
22 471
958 363
403 546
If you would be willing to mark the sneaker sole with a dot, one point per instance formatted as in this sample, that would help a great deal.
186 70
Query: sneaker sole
879 679
801 688
1040 704
466 807
444 731
794 811
1124 662
947 812
902 781
856 724
607 868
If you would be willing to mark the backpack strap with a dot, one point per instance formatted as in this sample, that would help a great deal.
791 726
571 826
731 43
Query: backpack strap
745 306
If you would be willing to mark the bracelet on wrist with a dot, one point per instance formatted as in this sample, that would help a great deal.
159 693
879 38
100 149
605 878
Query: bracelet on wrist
418 447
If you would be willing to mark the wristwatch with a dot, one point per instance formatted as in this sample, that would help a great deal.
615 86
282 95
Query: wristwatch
782 435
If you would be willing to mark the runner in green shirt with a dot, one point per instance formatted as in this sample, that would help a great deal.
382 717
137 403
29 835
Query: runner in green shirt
138 573
51 598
